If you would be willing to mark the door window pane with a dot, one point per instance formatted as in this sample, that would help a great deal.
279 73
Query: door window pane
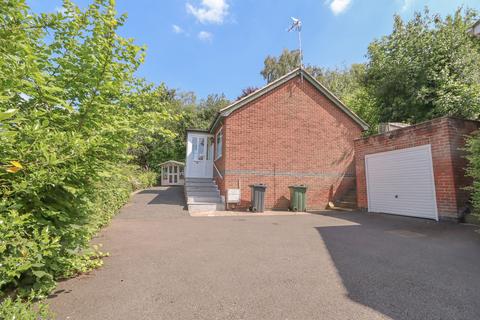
170 178
209 148
201 148
195 148
175 179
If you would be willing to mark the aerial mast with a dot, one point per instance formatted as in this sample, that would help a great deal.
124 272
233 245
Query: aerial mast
297 26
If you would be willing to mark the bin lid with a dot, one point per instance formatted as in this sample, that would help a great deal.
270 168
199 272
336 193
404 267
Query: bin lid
298 186
258 185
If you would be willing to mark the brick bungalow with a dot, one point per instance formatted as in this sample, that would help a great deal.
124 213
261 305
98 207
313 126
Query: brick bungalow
295 131
292 131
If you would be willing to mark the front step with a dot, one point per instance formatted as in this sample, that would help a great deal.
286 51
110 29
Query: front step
200 184
205 207
346 204
348 200
200 199
202 196
199 180
203 193
201 189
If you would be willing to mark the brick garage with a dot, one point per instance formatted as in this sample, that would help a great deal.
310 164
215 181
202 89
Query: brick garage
295 132
447 138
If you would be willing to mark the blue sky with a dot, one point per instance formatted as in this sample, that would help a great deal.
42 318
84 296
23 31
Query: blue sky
218 46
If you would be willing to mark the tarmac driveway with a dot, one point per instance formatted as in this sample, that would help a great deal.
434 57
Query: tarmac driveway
164 264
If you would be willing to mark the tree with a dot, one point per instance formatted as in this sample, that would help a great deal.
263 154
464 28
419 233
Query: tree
247 91
347 83
275 67
208 108
426 68
341 81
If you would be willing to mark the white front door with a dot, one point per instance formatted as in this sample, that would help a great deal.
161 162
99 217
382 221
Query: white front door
199 156
402 182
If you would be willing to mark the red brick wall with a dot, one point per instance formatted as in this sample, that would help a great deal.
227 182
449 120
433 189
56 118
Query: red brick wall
446 137
291 135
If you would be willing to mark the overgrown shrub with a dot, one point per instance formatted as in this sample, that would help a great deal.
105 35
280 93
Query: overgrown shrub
23 310
66 132
473 169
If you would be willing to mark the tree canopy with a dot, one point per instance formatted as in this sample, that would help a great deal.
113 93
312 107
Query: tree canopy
426 68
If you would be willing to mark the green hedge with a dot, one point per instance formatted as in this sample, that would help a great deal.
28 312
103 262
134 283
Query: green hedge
35 251
473 170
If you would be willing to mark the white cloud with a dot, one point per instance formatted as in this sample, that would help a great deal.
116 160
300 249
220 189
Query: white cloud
338 6
177 29
205 36
210 11
407 4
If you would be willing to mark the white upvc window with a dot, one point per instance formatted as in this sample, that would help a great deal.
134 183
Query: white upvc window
219 144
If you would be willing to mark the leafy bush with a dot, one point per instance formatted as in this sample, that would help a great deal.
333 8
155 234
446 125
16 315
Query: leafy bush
66 135
23 310
473 169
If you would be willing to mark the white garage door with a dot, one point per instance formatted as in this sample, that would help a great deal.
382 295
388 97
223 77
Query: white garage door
401 182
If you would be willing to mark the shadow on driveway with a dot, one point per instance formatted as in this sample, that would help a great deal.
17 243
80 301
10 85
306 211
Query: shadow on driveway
165 195
156 203
407 268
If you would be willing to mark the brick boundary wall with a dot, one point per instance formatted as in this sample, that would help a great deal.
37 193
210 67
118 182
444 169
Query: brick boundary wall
446 136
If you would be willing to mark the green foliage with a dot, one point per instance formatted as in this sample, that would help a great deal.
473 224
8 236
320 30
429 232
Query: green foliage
23 310
275 68
426 68
208 108
473 169
347 83
362 102
67 129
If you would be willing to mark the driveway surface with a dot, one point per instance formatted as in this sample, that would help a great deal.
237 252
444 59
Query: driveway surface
165 264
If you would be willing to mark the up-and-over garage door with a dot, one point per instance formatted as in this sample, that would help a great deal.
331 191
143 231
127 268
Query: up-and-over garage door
401 182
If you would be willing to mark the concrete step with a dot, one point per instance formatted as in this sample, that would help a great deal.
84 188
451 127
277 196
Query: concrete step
202 207
205 194
199 180
202 196
197 199
346 204
189 190
200 184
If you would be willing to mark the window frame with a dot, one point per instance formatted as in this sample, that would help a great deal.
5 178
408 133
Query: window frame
219 133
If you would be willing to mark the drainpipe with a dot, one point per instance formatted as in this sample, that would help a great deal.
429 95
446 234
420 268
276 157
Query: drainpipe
274 183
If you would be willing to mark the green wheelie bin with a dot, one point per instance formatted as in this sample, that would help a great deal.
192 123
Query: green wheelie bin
298 198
